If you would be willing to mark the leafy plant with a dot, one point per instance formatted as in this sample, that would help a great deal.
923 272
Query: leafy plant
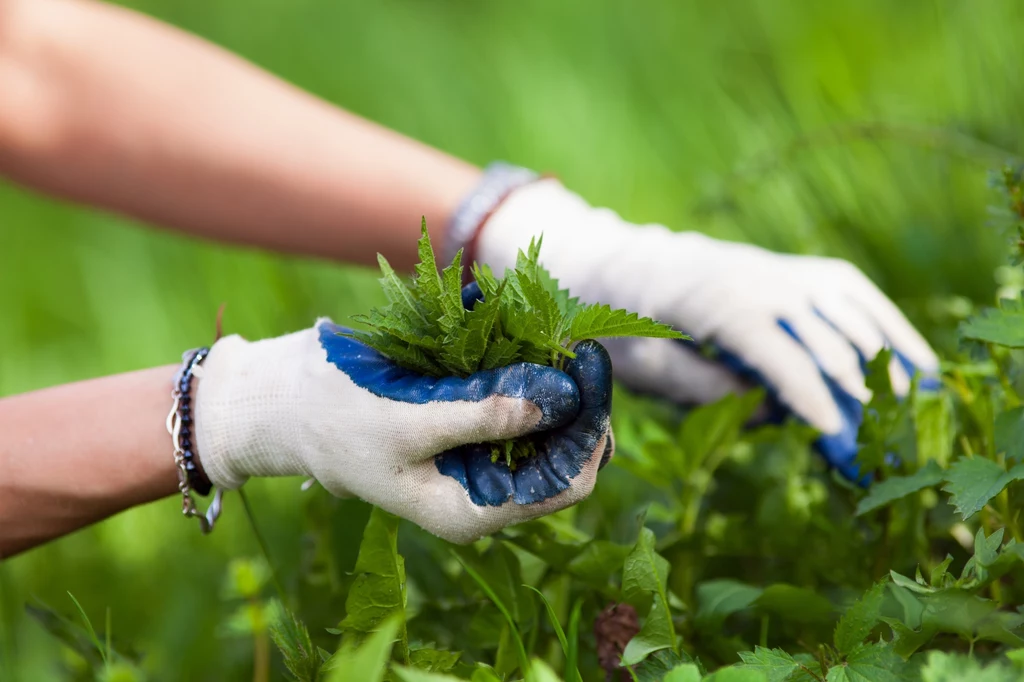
522 317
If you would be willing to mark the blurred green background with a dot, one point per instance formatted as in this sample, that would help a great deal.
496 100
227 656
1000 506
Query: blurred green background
858 128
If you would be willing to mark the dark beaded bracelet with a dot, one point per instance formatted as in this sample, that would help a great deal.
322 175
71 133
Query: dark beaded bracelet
194 475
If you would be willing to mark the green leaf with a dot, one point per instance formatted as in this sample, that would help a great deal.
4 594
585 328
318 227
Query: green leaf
714 427
500 353
433 660
973 481
941 666
427 286
887 426
775 664
687 672
795 604
405 674
897 487
871 663
1009 434
553 617
1003 326
736 675
368 661
478 579
655 667
858 621
600 321
644 585
934 427
292 638
399 294
378 591
986 549
453 313
717 599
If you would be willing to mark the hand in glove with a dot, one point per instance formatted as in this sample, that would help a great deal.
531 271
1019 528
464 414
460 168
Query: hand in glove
802 326
318 404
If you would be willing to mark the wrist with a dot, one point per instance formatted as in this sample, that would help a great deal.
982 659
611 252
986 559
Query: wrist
498 182
245 418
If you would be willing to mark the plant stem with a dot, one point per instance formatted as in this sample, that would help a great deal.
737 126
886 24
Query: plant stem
764 631
263 547
261 648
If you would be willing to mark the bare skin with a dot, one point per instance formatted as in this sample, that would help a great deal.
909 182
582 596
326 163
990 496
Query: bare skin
249 160
185 135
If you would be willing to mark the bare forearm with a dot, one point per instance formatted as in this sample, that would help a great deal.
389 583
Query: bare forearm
78 453
108 107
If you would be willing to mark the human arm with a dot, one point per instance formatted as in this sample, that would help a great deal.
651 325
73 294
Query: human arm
72 455
111 108
316 404
801 326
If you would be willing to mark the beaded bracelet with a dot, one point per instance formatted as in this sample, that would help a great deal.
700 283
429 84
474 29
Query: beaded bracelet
179 425
499 180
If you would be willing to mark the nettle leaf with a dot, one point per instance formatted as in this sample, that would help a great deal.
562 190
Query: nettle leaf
687 672
858 621
871 663
655 667
1003 326
453 313
433 660
1009 434
378 591
887 426
644 585
775 664
973 481
292 638
600 321
399 293
710 428
897 487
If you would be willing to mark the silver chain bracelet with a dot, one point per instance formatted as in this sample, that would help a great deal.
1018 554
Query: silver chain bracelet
179 420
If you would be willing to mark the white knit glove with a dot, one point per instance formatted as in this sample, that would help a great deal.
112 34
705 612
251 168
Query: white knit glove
318 404
800 325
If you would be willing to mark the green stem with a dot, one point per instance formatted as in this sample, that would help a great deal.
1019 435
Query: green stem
263 546
764 631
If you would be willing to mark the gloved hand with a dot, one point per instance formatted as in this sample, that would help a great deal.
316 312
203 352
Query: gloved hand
802 326
317 404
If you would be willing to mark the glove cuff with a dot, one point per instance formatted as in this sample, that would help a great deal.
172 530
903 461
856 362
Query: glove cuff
246 408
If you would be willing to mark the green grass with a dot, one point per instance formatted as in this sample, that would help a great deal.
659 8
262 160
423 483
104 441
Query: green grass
650 108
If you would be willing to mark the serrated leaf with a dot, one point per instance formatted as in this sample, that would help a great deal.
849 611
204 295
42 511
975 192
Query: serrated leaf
600 321
501 353
407 356
378 591
897 487
1009 434
292 639
973 481
644 585
433 660
858 621
655 667
398 292
775 664
871 663
453 313
1003 326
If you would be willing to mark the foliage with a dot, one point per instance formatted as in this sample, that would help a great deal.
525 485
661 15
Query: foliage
523 317
646 112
